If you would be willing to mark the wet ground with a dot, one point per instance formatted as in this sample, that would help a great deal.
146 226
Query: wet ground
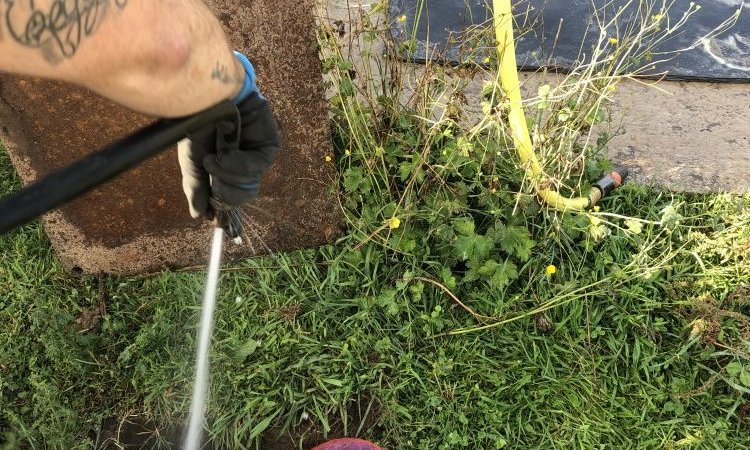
137 433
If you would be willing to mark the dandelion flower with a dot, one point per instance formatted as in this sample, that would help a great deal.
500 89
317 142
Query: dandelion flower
394 223
550 270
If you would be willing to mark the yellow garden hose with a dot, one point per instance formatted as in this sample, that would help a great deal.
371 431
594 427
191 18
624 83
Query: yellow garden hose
503 20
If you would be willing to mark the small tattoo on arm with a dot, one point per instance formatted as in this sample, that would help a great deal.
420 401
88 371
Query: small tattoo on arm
222 74
57 27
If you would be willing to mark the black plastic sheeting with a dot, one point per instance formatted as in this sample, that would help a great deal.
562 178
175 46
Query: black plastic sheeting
561 34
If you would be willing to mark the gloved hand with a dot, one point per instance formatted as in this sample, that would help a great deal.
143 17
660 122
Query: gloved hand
231 176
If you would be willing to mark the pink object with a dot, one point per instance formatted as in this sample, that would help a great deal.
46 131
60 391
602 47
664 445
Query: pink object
347 444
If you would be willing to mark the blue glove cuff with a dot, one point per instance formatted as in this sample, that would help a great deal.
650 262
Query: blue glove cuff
250 86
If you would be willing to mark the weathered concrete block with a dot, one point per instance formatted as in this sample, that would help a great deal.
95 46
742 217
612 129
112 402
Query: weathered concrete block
677 135
686 136
139 221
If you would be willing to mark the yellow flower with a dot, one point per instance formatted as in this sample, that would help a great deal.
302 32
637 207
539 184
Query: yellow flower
550 270
657 17
613 41
402 18
394 223
487 60
328 158
348 152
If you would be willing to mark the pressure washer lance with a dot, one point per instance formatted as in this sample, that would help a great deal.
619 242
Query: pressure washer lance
228 220
606 185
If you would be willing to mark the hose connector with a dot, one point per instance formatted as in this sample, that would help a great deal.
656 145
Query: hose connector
606 185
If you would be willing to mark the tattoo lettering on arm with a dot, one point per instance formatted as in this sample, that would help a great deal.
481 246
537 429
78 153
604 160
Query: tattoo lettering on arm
55 27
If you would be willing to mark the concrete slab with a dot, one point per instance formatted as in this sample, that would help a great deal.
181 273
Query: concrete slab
692 137
139 221
676 135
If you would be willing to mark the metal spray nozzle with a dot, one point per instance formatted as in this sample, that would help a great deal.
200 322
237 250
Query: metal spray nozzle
229 218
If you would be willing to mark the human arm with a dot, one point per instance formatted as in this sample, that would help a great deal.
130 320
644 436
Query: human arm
165 58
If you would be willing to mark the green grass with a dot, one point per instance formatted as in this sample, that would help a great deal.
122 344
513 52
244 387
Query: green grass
640 340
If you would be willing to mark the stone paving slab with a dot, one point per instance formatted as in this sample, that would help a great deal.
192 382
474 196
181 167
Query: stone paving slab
685 136
139 221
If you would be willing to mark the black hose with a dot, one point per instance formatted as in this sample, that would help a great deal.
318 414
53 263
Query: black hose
67 184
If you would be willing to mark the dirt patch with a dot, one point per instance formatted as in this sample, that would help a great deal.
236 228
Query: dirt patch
740 296
90 320
289 313
362 415
138 433
744 411
710 315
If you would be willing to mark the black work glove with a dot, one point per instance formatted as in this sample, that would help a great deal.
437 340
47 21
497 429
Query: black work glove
233 176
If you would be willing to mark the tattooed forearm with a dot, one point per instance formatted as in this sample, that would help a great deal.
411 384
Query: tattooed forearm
57 27
222 74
